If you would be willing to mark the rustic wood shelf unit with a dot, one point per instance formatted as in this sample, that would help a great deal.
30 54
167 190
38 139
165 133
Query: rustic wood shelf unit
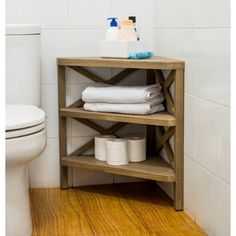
160 126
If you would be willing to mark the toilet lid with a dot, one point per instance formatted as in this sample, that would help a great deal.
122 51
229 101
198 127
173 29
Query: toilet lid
23 116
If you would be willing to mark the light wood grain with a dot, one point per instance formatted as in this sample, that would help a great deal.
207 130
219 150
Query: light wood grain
132 209
167 148
151 129
120 76
161 118
179 139
62 124
152 63
112 130
174 106
88 74
165 137
169 102
153 168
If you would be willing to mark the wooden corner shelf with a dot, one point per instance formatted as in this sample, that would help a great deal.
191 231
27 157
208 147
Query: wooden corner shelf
161 118
160 127
153 168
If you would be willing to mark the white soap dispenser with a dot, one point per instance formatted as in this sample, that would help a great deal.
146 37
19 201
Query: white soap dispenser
113 31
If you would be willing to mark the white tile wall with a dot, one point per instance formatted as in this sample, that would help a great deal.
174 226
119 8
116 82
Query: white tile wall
199 33
14 11
192 14
206 53
54 43
49 103
212 133
85 42
142 9
207 198
51 14
88 14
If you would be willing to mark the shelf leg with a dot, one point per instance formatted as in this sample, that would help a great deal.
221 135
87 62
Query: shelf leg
151 129
62 126
179 138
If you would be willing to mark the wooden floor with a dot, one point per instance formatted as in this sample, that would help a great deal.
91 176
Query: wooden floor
122 209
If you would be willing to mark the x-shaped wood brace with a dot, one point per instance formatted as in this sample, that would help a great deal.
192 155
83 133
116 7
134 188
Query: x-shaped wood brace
166 83
99 129
79 103
115 79
163 142
165 135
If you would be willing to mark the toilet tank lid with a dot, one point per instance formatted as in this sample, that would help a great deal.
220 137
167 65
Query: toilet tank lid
22 29
23 116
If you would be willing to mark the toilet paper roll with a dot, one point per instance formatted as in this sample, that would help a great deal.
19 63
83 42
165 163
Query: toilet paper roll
100 146
117 151
136 149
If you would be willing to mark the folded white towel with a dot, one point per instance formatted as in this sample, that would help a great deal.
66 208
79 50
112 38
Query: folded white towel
139 108
121 94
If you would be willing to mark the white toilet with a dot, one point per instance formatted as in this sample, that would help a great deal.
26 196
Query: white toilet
25 122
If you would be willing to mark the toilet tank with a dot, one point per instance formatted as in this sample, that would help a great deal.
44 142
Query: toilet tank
23 64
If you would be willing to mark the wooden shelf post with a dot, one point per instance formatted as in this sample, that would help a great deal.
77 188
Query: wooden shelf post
179 139
62 125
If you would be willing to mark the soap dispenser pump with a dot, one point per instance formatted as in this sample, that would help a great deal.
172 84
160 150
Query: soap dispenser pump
113 31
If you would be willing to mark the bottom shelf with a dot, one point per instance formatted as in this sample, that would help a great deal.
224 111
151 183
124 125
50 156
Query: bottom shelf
153 168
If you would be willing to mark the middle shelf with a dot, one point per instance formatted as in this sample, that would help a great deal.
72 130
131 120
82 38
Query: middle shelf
161 118
153 168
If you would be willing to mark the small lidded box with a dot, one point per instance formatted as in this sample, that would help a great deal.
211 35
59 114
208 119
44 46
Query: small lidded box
119 49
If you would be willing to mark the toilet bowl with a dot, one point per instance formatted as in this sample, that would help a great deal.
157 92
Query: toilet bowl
25 141
25 122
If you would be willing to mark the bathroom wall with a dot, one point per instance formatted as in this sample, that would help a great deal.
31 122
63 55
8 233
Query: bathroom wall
199 33
73 28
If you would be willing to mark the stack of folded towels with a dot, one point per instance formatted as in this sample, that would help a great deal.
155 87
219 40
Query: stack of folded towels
145 99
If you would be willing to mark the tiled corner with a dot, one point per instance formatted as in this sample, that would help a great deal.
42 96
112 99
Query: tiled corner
222 223
206 54
212 203
190 125
212 133
212 69
189 187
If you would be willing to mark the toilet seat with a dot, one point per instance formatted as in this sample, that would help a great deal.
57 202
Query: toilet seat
23 132
22 120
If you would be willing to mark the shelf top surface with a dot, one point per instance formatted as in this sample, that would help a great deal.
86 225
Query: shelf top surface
161 118
153 168
155 62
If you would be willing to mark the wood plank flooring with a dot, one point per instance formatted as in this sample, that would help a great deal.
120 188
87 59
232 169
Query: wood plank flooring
133 209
